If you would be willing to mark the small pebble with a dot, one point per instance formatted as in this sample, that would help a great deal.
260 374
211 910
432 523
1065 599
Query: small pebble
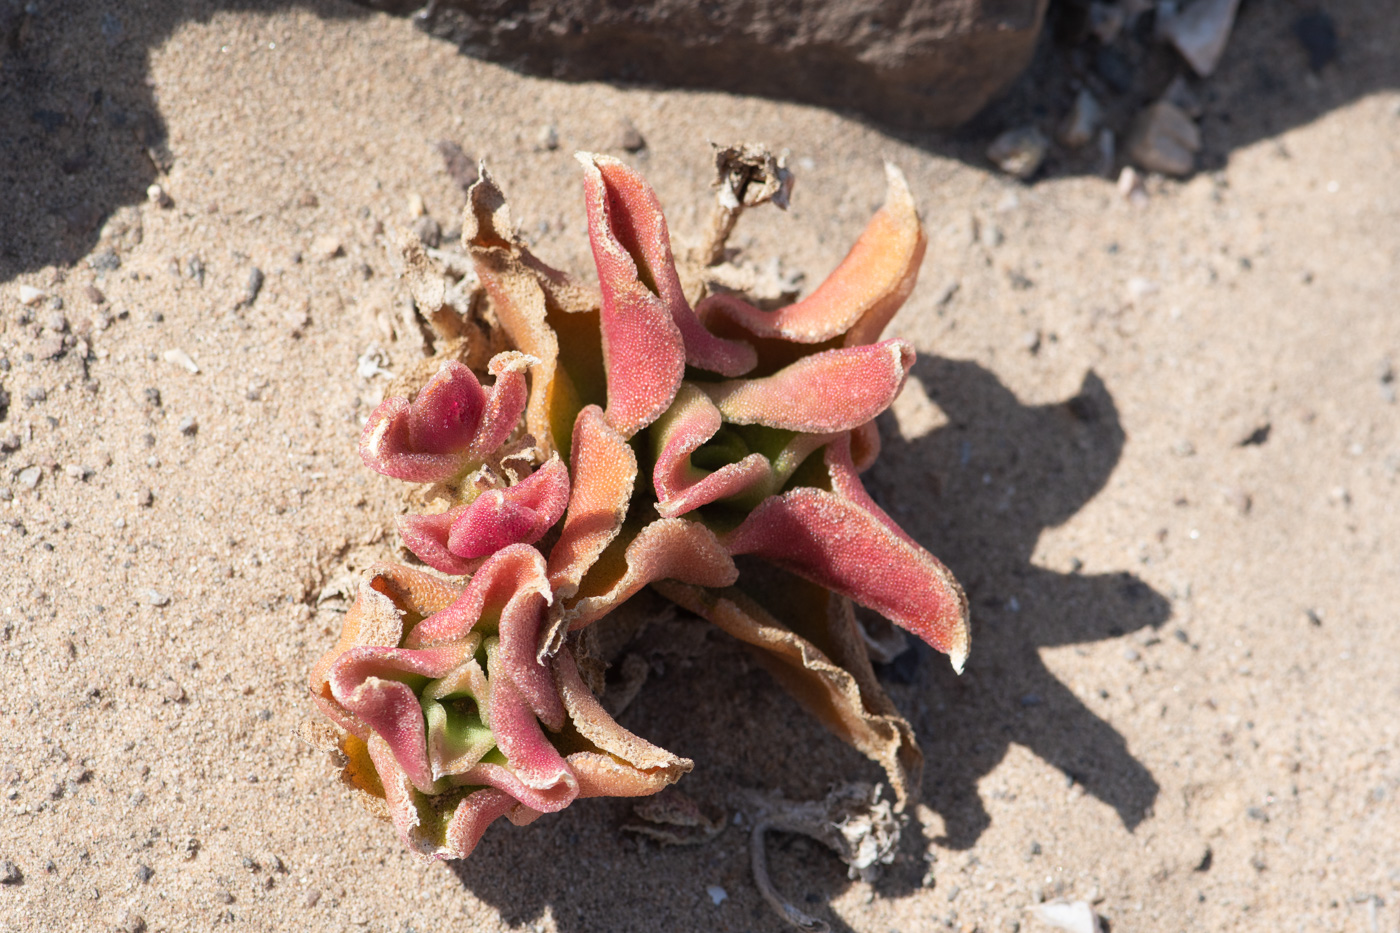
11 442
155 598
30 296
173 691
326 247
10 873
1131 654
1317 33
35 394
1019 151
311 897
49 347
717 894
1164 139
628 137
29 477
181 359
152 399
189 426
144 497
255 284
132 923
57 323
548 137
1081 124
79 472
144 873
159 197
105 260
94 295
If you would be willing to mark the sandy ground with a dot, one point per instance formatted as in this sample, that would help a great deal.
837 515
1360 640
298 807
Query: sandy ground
1158 444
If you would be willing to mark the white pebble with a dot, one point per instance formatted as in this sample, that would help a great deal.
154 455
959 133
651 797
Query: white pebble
717 894
29 295
182 359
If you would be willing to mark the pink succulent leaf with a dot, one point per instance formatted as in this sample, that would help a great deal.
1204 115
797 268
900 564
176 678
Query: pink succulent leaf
518 514
376 618
669 548
473 815
504 406
369 682
680 485
424 825
445 414
859 297
634 226
827 392
427 535
604 470
509 592
451 426
843 541
545 781
643 351
385 447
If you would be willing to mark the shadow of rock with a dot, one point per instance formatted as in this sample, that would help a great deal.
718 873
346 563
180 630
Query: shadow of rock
986 485
83 134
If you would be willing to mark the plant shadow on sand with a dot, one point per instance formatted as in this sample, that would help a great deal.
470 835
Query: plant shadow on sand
978 492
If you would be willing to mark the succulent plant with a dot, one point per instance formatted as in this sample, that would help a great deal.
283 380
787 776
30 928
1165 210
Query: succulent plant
631 438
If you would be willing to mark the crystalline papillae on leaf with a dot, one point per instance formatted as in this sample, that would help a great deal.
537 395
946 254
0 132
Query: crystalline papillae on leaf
459 704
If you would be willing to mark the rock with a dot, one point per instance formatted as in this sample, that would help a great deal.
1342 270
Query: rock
155 598
429 231
1130 186
927 65
132 923
628 137
159 197
1115 69
1164 139
10 873
35 394
50 347
94 294
57 323
1318 35
326 247
1081 124
30 296
189 426
1019 151
144 873
144 497
548 138
29 477
1106 21
459 165
1180 94
181 359
255 284
1072 917
1200 31
105 260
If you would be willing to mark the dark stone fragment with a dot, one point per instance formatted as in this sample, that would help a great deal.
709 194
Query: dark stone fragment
1318 34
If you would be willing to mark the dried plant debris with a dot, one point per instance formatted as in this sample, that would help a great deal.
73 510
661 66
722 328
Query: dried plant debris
570 446
853 821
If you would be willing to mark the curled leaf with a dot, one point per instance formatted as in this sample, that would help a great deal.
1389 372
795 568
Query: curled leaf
842 540
859 298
